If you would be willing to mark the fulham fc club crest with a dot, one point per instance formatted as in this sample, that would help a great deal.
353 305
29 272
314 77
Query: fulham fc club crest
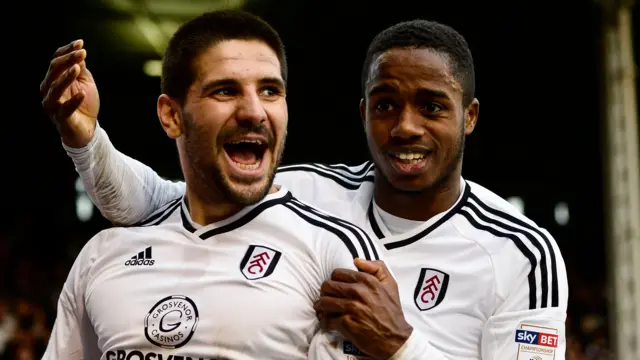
431 288
259 262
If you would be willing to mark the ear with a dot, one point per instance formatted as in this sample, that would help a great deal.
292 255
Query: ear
471 116
170 115
363 110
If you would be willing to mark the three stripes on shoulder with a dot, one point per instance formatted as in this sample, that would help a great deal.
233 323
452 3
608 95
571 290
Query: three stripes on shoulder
348 177
529 239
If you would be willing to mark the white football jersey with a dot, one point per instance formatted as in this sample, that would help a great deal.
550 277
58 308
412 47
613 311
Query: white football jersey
478 281
242 288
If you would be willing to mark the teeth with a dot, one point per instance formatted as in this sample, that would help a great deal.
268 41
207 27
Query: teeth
259 142
409 156
249 166
412 161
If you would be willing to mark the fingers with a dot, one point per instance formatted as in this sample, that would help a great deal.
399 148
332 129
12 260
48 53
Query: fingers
52 99
340 323
370 267
71 105
61 84
376 268
330 324
83 65
61 64
74 45
351 276
332 306
329 311
342 290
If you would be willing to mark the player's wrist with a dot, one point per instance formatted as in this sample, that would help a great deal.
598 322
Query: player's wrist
77 137
396 343
79 141
408 349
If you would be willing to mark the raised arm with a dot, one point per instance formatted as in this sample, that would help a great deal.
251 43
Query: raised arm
124 190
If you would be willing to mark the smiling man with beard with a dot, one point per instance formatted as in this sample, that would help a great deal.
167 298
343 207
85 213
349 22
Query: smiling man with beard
238 275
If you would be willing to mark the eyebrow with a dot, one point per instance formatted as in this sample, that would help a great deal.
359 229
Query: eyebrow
386 88
233 82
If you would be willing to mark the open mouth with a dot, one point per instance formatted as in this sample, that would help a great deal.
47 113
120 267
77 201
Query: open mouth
409 157
409 162
246 154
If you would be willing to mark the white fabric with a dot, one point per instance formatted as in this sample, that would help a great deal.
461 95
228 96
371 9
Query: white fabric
242 288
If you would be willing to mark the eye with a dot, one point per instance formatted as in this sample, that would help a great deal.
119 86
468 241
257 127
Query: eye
433 108
270 91
384 106
224 92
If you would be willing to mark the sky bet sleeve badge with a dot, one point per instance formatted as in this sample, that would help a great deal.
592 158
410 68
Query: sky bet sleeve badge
536 343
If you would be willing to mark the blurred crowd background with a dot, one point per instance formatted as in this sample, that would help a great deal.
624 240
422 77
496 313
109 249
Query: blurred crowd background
538 142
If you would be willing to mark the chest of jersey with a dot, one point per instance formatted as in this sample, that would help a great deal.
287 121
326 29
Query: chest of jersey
447 289
243 297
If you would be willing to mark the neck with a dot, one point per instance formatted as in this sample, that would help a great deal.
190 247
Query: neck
418 206
208 211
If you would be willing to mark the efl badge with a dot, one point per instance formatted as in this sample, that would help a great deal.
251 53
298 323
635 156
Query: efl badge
431 288
259 262
536 342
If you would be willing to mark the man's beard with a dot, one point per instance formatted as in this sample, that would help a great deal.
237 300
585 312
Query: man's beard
209 173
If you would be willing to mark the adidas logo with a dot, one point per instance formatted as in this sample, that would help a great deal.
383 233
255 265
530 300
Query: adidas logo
142 259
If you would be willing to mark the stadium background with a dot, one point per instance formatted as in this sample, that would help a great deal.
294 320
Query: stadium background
538 142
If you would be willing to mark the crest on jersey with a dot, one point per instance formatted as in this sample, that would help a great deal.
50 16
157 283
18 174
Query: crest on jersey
259 262
431 288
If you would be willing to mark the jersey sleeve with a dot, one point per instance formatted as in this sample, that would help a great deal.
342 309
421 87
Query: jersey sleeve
125 191
328 187
302 183
340 243
522 328
72 336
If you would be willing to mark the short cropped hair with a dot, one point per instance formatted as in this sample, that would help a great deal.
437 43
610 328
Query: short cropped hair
424 34
199 34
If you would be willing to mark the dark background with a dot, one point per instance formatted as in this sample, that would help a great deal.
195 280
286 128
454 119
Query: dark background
539 82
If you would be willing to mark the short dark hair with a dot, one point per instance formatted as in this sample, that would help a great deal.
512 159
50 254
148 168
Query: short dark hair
423 34
197 35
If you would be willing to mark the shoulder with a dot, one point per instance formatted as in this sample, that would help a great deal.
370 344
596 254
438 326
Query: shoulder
108 239
97 248
330 230
347 177
491 214
164 214
119 239
523 252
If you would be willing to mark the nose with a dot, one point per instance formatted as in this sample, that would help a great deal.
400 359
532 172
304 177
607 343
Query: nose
409 124
251 110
